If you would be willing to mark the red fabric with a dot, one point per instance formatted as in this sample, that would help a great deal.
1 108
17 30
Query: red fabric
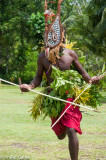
71 119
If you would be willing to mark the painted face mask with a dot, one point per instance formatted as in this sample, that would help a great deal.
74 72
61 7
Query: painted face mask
54 33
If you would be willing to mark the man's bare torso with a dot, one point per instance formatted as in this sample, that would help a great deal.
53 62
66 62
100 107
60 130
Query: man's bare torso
63 63
68 57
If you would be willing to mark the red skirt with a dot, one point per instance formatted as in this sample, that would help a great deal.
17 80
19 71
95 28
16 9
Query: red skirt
71 119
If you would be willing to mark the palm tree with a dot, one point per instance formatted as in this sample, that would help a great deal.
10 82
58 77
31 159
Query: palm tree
88 27
97 17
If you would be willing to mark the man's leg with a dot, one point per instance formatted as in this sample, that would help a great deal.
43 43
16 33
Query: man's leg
73 143
63 135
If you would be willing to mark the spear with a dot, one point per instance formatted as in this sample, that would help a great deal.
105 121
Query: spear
62 100
71 103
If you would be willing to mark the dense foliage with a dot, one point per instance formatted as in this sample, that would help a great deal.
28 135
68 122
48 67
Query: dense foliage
22 31
21 28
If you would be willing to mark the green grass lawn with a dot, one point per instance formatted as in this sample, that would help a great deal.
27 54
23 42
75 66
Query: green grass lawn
20 136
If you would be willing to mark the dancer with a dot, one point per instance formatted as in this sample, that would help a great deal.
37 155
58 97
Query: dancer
57 55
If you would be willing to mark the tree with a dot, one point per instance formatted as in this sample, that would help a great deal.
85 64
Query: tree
82 28
17 33
97 18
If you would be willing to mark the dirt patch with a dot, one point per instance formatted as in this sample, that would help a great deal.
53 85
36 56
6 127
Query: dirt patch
82 147
23 146
36 148
1 146
63 159
18 145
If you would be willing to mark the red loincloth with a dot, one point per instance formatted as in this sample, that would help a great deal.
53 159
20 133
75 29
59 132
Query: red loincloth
71 119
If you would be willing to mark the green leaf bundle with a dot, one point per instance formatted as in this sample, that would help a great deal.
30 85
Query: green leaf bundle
66 84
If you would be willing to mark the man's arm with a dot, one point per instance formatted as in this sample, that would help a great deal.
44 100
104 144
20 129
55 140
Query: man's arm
38 78
81 70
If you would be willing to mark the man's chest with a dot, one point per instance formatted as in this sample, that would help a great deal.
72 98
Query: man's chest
63 63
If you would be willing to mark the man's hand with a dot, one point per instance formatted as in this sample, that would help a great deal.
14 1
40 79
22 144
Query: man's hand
25 88
94 80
